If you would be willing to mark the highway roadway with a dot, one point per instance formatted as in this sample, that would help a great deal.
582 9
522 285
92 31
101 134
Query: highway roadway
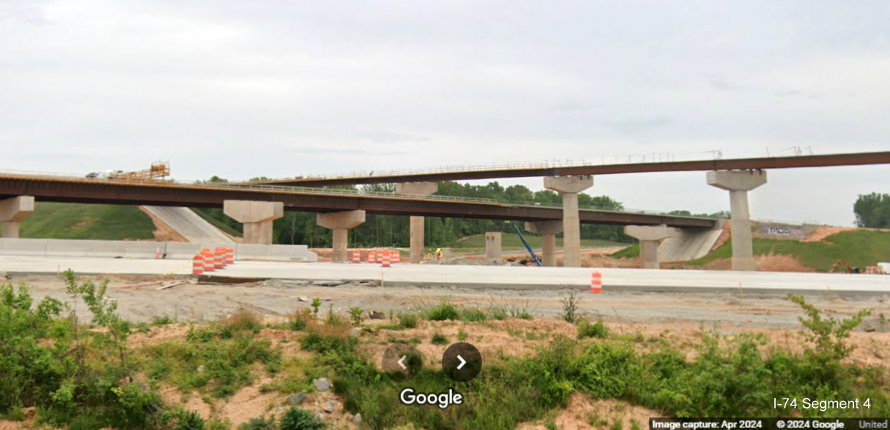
475 276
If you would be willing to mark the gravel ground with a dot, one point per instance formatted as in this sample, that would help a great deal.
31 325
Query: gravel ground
142 297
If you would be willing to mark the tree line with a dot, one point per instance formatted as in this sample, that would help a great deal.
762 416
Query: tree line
872 210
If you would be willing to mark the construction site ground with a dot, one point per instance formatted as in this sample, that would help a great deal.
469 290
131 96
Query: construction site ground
678 318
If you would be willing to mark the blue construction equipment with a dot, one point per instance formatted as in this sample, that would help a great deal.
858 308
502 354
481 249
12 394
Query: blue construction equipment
522 238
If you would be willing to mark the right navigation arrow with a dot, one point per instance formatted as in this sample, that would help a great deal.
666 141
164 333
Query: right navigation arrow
462 362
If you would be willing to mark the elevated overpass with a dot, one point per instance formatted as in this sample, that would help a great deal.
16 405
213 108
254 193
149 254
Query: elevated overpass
827 160
257 206
77 190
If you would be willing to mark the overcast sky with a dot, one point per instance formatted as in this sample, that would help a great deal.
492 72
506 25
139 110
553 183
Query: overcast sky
285 88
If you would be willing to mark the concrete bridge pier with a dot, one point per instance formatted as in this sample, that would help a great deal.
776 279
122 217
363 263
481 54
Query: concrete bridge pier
256 216
493 246
650 236
548 231
416 222
13 211
738 183
569 187
340 223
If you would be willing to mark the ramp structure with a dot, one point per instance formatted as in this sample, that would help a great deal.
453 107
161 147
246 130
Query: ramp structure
189 224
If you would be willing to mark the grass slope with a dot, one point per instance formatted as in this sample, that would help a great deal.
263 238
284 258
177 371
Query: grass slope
87 221
857 247
511 241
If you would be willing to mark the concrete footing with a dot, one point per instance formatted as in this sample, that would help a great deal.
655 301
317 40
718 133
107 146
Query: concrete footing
256 216
650 236
738 183
493 246
569 187
548 231
13 211
416 222
340 223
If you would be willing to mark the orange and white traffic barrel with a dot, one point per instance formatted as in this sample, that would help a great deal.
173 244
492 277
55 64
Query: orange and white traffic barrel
197 265
356 256
596 283
230 256
219 258
385 262
395 257
371 257
209 260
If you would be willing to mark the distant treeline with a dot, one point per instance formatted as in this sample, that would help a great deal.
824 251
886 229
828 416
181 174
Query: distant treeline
392 230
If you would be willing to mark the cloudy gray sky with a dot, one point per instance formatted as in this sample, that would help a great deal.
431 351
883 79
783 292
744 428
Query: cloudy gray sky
283 88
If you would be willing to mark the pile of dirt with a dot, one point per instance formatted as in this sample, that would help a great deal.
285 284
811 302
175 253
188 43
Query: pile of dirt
822 232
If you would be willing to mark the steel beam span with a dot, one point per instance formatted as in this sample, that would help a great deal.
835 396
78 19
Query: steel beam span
828 160
165 194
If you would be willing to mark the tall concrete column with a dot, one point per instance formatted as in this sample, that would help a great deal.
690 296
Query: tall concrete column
650 236
569 187
13 211
548 231
340 223
416 222
256 216
738 183
493 246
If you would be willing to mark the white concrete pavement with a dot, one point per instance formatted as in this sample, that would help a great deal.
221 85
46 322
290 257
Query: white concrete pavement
554 278
189 224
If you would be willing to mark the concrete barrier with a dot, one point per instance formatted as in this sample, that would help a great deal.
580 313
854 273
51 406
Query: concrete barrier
147 250
16 246
252 251
181 250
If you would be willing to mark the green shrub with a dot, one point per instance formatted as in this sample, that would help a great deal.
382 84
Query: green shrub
441 312
241 320
259 423
180 419
589 329
407 320
299 320
439 339
570 301
355 315
299 419
212 359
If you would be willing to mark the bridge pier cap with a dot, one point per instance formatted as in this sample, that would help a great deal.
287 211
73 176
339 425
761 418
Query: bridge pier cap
253 211
257 217
568 184
736 180
13 211
650 236
340 223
